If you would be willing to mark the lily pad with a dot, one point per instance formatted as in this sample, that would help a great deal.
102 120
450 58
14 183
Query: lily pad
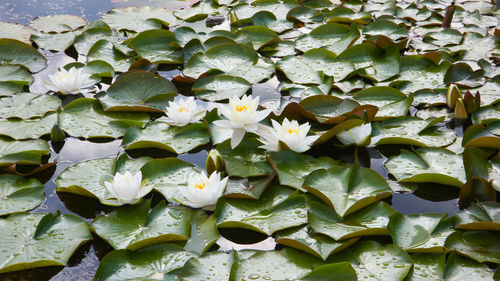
246 160
105 50
249 188
27 105
13 78
328 109
428 165
155 262
203 232
258 36
480 216
341 271
213 265
390 102
28 152
139 19
28 129
157 46
159 134
332 36
220 87
57 23
85 118
18 194
15 31
17 52
84 41
347 189
278 208
481 246
57 42
245 11
479 135
138 91
293 167
36 240
136 226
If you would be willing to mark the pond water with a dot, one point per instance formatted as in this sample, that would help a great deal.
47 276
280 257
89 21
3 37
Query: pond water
84 263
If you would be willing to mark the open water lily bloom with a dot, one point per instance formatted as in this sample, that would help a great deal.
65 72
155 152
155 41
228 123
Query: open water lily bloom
290 133
126 188
70 81
184 111
203 191
358 135
241 116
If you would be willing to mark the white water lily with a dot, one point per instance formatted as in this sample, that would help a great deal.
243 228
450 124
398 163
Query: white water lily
242 116
183 112
127 188
357 135
70 81
203 191
290 133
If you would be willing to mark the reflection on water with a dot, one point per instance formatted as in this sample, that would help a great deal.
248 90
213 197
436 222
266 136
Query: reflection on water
264 245
409 203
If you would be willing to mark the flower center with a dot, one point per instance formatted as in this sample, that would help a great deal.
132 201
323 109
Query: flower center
240 108
293 131
181 109
200 185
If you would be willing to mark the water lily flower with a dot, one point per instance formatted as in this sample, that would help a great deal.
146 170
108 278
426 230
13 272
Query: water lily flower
214 162
183 112
127 188
242 116
290 133
358 135
203 191
70 81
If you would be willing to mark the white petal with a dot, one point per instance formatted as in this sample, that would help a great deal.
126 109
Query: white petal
237 136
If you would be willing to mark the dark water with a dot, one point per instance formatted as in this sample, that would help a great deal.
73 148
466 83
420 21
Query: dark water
84 263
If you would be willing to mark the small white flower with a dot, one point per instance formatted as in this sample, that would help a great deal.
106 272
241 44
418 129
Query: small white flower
203 191
183 112
242 116
126 188
357 135
290 133
70 81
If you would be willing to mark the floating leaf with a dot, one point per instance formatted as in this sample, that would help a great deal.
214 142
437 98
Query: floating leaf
142 264
246 160
480 216
18 194
390 102
481 246
157 46
463 75
57 23
220 87
13 78
16 52
28 152
259 36
26 105
28 129
347 189
244 11
139 19
84 41
58 42
105 50
249 188
203 232
332 36
341 271
36 240
479 135
427 165
15 31
136 226
328 109
213 265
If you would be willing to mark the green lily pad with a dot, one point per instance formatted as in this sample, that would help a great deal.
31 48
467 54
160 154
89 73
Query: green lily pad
278 208
248 188
347 189
390 102
18 194
420 232
386 28
443 37
332 36
139 19
199 11
474 46
84 41
28 152
371 220
259 36
480 216
15 31
168 175
428 165
412 131
373 261
85 118
245 11
203 232
107 51
481 246
347 15
28 129
136 226
159 134
57 42
17 52
57 23
157 46
13 78
479 135
138 91
293 167
143 264
231 59
373 62
213 265
311 67
341 271
268 19
463 75
328 109
485 115
246 160
27 105
314 244
36 240
220 87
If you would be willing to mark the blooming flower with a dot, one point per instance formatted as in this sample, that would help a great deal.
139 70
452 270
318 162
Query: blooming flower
203 191
293 135
183 112
242 116
127 188
358 135
70 81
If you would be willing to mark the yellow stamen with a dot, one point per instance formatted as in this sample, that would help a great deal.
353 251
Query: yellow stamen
240 108
200 186
293 131
181 109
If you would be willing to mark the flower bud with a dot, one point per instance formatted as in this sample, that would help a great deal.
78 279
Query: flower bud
214 162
